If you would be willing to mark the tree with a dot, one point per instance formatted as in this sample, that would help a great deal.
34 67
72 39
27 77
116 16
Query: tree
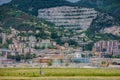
104 64
0 54
10 56
114 63
20 57
49 63
108 55
73 42
54 36
17 57
117 56
33 55
9 41
1 40
90 55
5 45
89 46
83 55
28 56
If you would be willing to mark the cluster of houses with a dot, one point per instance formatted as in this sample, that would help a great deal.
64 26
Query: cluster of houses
45 49
49 53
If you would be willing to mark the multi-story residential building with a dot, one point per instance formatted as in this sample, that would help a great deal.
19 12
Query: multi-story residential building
109 47
21 48
45 43
32 39
22 38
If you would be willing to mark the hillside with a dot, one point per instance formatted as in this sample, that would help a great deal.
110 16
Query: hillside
83 18
69 17
108 20
108 6
22 16
32 6
19 19
104 28
22 21
103 21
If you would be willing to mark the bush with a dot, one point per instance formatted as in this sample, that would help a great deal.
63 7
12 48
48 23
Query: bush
49 63
114 63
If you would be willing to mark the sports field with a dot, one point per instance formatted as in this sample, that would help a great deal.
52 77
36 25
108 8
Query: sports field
59 74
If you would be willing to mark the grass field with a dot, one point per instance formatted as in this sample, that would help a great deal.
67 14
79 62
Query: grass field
59 78
59 74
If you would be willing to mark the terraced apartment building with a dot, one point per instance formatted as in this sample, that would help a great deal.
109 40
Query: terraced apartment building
69 17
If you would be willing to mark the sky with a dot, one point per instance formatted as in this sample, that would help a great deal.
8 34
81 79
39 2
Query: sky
73 0
6 1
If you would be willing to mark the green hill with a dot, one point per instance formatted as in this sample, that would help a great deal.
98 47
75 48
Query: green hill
22 21
32 6
107 9
21 14
19 19
100 23
111 7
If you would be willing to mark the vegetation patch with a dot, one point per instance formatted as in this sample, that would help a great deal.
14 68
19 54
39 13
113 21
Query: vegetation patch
59 72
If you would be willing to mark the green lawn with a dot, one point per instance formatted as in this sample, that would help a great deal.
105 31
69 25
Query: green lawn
59 72
59 78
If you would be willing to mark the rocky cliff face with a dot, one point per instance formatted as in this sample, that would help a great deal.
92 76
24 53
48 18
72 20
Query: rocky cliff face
81 17
69 17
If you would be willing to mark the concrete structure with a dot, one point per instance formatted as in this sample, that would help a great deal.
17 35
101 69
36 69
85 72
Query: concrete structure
32 39
77 55
45 43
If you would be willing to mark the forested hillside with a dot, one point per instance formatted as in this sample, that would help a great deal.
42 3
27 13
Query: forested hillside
108 6
32 6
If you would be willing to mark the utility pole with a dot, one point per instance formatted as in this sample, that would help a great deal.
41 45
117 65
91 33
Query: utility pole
41 71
